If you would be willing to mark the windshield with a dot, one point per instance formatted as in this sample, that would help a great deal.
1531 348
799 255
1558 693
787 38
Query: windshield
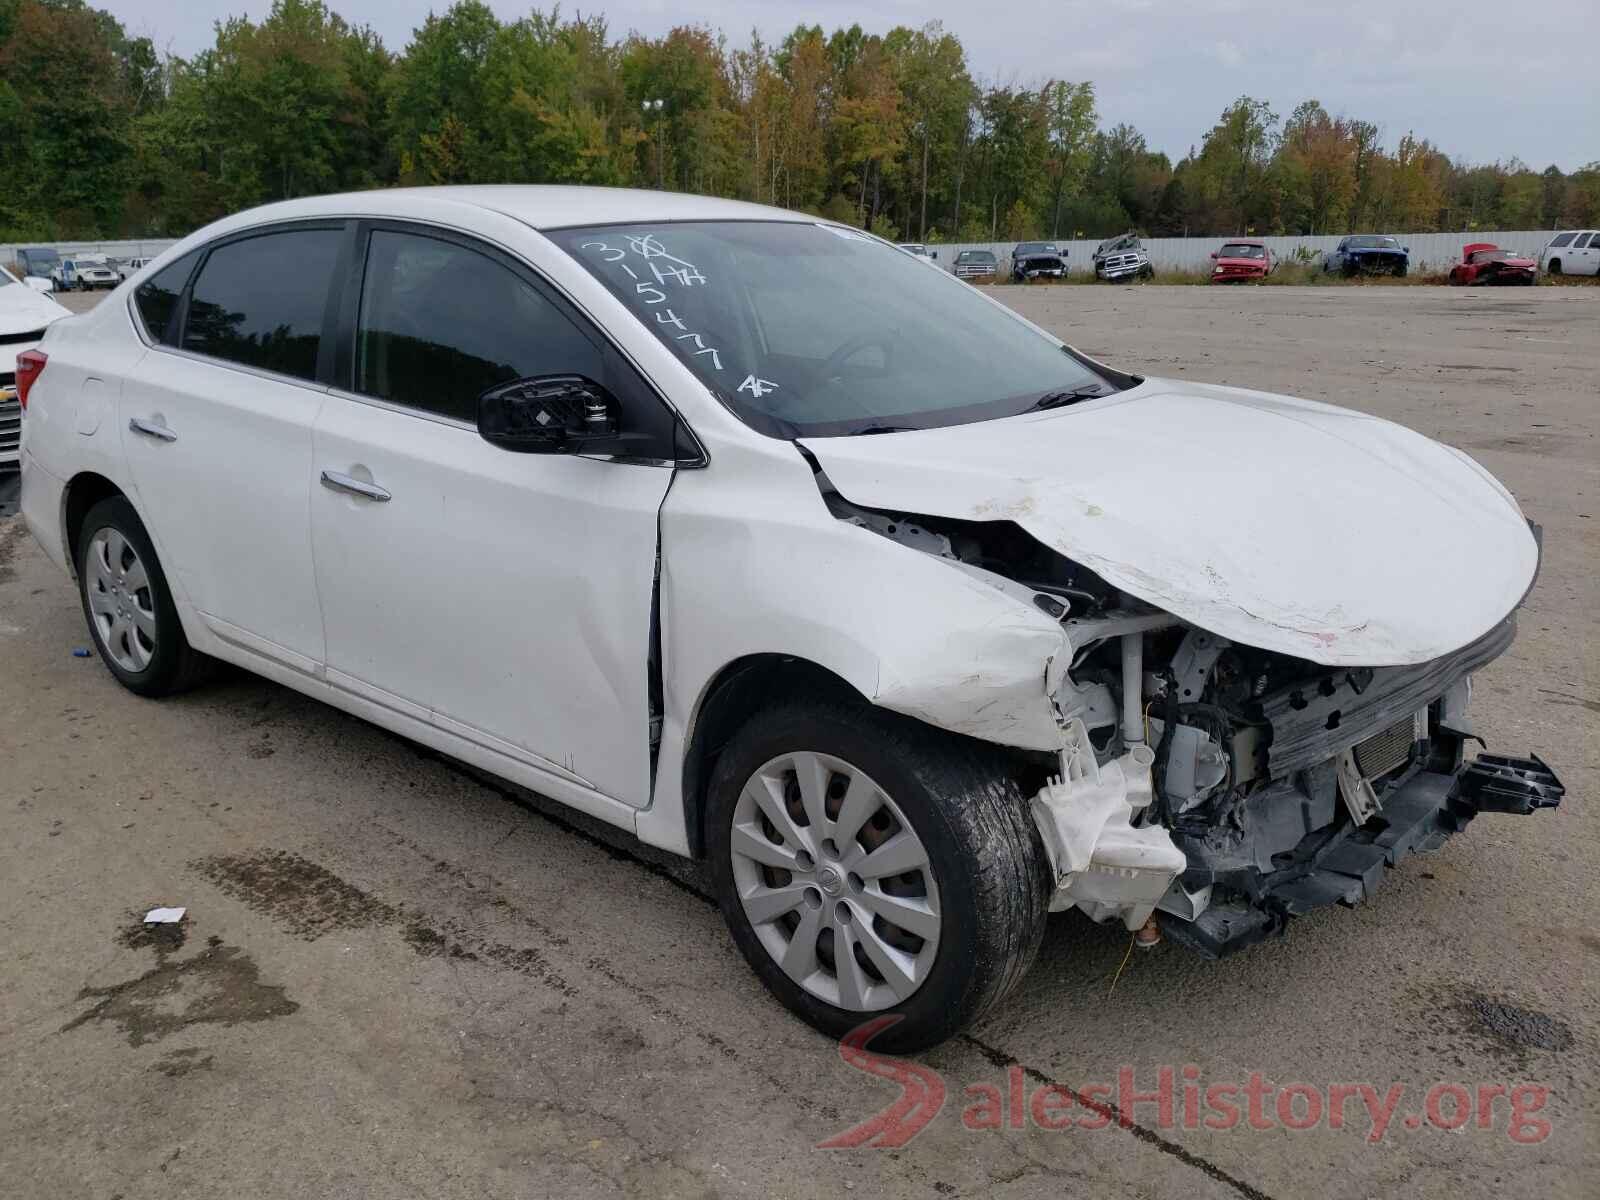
807 330
1242 250
1374 243
1036 248
6 277
977 256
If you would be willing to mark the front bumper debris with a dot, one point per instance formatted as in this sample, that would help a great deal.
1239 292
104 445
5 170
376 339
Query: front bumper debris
1345 865
1495 783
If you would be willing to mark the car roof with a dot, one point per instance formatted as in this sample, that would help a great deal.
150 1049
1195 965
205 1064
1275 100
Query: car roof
541 206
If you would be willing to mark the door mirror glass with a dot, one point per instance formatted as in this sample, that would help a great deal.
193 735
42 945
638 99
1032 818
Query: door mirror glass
548 414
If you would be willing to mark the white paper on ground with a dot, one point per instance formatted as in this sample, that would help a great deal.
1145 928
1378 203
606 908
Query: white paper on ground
164 916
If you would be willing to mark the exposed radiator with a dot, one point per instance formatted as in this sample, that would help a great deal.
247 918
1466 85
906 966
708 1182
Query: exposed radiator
1383 752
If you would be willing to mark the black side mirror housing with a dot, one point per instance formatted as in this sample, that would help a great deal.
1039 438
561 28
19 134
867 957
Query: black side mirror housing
548 414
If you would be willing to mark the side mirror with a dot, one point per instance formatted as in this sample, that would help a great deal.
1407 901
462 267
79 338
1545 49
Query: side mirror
1213 254
1407 249
39 285
934 254
548 414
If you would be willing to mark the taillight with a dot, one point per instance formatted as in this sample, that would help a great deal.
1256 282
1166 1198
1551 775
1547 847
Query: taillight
29 365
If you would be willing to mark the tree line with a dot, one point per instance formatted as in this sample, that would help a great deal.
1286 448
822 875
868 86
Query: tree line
105 136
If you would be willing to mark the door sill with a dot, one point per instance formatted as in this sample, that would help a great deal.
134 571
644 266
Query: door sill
469 733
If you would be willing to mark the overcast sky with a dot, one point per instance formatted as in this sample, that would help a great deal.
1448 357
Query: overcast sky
1485 80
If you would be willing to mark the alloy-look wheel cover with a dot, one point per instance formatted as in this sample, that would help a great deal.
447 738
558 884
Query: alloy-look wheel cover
824 859
120 601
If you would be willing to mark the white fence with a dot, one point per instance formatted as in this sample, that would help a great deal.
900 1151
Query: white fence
148 248
1429 251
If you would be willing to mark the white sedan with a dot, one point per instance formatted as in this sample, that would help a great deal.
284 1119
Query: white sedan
24 316
745 532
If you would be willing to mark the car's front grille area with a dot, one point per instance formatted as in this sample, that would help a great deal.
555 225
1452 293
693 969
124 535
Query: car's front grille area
30 335
1117 262
1383 752
10 426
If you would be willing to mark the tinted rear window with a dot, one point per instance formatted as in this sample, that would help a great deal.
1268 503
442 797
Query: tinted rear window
260 302
157 298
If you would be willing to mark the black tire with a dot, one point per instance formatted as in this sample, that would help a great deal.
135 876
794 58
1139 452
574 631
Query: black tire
174 666
984 849
1555 267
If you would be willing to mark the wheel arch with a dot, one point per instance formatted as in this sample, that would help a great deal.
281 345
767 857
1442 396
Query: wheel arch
740 689
83 491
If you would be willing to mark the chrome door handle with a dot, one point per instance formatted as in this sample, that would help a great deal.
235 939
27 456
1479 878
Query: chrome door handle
349 483
151 429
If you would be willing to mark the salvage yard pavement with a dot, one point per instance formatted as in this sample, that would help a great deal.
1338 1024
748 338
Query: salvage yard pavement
397 978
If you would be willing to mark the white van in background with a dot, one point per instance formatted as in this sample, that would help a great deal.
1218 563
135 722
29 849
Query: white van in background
1575 252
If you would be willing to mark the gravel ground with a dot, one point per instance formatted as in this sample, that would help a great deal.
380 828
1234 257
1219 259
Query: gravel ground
399 979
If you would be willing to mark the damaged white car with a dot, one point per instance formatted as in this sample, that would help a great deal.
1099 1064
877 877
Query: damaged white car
747 533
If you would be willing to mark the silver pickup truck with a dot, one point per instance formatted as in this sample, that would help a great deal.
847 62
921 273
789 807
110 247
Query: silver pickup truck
1122 258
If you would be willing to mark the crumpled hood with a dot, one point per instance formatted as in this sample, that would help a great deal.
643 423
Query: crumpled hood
1278 523
1232 261
22 309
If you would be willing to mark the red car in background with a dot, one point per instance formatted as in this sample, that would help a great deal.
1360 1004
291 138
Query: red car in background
1242 258
1484 262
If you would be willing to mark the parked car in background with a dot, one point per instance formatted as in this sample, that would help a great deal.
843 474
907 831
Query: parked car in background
126 268
1574 252
1122 258
823 593
83 273
976 264
1034 260
38 262
1368 254
1485 263
920 250
24 316
1241 259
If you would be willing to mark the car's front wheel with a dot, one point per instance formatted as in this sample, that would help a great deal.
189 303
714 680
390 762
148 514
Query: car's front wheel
868 865
129 607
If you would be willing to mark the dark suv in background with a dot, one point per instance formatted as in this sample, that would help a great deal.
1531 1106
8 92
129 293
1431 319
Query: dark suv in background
1029 260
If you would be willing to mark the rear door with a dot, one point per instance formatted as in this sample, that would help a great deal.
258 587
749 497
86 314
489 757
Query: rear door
217 423
503 597
1586 254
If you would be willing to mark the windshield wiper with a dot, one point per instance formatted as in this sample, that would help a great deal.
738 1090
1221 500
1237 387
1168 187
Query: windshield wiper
1087 391
881 429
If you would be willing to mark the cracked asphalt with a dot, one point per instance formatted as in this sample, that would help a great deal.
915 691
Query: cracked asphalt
398 978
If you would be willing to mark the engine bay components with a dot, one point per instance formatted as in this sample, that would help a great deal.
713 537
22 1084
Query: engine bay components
1102 862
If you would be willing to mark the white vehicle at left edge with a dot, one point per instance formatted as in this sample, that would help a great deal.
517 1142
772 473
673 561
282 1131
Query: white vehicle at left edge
24 316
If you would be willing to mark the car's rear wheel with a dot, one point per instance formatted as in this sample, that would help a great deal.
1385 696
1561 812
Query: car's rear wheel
867 865
128 604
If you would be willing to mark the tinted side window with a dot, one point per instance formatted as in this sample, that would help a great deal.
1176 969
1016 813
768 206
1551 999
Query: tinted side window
441 324
260 302
1561 239
157 298
1583 240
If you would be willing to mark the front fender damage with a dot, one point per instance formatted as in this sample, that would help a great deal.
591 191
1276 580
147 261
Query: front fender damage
1005 678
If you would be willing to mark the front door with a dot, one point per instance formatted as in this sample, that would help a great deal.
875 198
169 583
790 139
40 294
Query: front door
503 597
